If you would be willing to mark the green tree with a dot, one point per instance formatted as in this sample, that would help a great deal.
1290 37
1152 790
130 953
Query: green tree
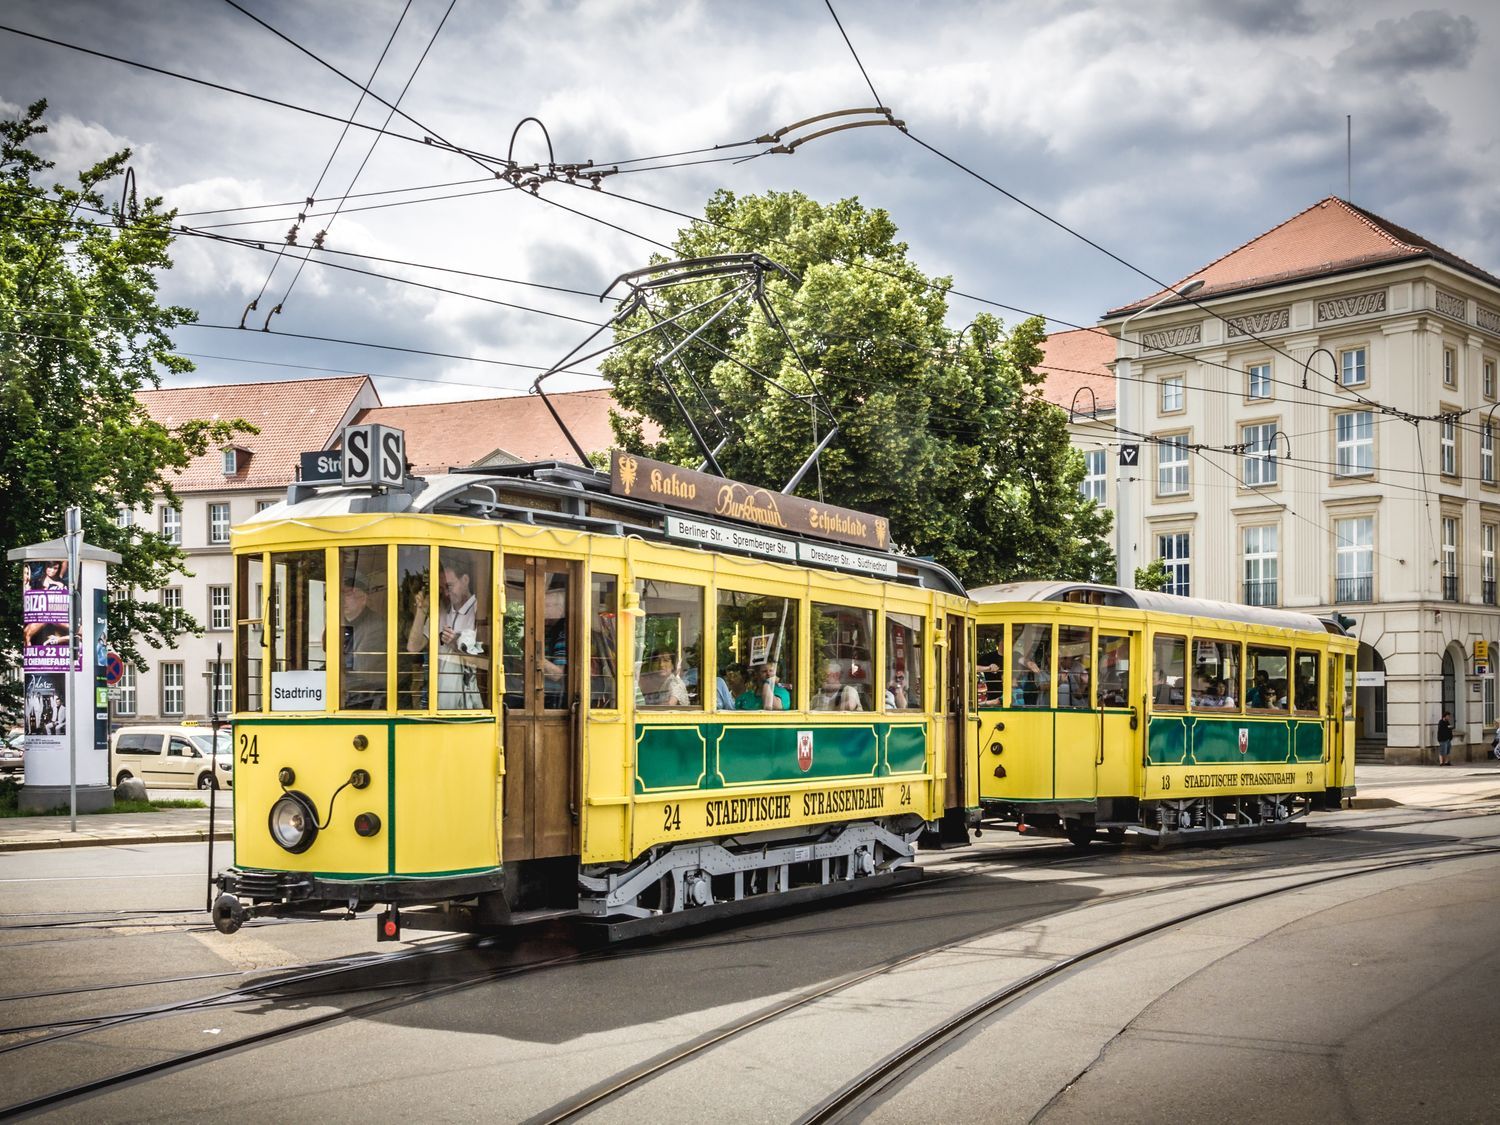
80 332
945 433
1152 576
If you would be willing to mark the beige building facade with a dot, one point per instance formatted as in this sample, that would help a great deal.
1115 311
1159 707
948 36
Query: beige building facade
1315 429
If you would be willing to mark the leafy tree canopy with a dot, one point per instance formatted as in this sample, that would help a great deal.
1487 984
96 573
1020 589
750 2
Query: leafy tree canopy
80 333
944 432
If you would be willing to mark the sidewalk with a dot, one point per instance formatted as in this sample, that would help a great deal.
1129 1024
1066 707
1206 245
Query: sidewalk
1379 787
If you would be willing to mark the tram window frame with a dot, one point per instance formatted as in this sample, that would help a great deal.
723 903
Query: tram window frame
910 677
1306 657
1254 656
1221 653
604 641
366 570
1108 650
993 636
414 657
684 642
1037 661
250 634
839 639
1177 658
1080 640
737 652
290 621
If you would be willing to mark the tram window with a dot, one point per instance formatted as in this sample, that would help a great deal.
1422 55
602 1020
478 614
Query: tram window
1113 671
1305 690
413 607
757 639
1169 670
903 662
299 601
1075 657
513 638
250 640
465 629
1265 678
1348 663
990 647
841 659
362 628
603 614
1031 660
668 645
1216 675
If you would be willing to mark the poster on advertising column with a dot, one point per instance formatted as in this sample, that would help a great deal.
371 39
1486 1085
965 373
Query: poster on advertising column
46 617
46 711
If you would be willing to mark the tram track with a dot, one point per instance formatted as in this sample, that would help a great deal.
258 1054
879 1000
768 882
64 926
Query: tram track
900 1062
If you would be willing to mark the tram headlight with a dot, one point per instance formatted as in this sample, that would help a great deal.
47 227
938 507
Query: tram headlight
294 822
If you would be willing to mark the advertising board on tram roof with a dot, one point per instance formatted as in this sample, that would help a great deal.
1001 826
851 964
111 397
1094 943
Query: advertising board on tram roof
641 478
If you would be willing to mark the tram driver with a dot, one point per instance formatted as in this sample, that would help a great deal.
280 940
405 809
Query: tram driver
363 640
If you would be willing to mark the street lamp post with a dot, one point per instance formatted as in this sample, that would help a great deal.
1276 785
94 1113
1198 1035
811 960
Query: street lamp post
1129 410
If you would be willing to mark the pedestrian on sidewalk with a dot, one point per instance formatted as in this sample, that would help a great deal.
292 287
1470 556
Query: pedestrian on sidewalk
1445 738
1495 743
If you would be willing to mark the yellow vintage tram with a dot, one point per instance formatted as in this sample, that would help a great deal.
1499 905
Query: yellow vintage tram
539 687
1128 710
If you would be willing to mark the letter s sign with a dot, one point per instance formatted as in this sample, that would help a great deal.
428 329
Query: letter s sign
357 465
392 457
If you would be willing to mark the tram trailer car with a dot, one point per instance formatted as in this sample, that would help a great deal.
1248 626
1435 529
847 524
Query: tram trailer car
479 695
1135 711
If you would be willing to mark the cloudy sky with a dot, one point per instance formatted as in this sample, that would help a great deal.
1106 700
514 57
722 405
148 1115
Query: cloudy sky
1167 132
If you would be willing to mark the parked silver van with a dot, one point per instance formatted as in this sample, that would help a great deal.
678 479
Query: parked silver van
172 757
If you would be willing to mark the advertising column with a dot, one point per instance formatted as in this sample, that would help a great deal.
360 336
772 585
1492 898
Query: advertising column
65 702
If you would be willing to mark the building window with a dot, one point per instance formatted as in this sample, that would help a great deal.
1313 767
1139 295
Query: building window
124 517
1450 368
262 505
171 524
1354 443
1487 561
125 692
218 522
221 681
1258 377
1450 446
1354 559
1260 550
1172 465
1260 453
1489 378
1450 559
172 698
1487 453
1092 487
1352 372
1173 550
171 597
218 608
231 462
1171 394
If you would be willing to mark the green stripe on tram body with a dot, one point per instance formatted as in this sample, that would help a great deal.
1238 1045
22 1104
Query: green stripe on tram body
720 755
1192 740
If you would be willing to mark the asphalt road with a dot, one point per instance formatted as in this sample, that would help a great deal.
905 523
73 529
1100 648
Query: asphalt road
1371 998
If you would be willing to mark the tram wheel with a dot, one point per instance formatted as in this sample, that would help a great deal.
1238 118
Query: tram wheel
1080 835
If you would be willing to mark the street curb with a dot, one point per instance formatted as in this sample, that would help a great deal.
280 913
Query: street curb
43 843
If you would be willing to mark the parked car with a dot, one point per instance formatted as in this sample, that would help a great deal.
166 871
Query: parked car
13 752
172 757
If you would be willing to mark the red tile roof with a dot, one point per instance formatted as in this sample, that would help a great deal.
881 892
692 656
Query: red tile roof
294 416
441 435
1332 236
1076 360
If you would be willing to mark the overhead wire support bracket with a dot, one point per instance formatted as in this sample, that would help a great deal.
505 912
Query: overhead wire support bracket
884 118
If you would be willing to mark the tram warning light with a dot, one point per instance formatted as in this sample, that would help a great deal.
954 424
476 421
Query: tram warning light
388 926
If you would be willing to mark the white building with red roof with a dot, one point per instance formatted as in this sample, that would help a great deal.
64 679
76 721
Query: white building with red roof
1316 431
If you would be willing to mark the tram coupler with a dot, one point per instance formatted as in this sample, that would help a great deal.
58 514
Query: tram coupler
228 913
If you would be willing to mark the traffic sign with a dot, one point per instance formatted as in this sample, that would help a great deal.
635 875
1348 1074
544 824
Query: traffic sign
114 669
1130 455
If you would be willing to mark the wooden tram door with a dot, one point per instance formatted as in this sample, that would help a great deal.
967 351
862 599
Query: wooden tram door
540 641
956 709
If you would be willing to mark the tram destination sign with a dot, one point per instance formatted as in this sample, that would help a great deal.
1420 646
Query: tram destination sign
641 478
